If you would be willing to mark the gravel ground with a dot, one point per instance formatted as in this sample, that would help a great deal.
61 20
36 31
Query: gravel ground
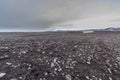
60 56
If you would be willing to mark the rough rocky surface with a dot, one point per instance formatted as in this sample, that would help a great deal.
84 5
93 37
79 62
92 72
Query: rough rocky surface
60 56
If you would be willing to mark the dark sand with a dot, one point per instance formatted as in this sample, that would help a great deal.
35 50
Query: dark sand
60 56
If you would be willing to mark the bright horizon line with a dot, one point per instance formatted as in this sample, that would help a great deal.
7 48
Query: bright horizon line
50 30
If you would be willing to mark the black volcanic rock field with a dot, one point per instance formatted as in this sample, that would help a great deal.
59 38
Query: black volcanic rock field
60 56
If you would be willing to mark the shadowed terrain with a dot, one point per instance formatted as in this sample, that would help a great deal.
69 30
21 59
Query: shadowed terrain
60 56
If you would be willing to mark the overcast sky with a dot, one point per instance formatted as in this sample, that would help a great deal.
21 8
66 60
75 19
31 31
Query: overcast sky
40 15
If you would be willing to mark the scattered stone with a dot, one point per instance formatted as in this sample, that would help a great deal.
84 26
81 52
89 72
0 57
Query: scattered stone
118 58
109 70
8 63
68 77
52 65
13 79
110 78
85 57
87 77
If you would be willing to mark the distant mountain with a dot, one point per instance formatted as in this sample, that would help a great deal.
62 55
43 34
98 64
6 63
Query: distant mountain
61 30
112 29
106 29
88 30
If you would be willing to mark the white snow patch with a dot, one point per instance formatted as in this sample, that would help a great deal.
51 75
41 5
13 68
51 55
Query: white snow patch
2 74
88 31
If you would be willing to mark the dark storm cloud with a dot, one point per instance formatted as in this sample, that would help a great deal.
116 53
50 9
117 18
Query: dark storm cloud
42 14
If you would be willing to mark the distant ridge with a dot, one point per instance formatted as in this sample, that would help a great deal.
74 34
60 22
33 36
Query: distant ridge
112 29
106 29
94 30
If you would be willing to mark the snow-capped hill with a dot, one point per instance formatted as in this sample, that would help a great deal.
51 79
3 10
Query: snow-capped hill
112 29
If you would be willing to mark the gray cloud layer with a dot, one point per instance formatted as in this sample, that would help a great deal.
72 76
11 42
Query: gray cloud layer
42 14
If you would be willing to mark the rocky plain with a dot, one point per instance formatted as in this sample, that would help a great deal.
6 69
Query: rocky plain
60 56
